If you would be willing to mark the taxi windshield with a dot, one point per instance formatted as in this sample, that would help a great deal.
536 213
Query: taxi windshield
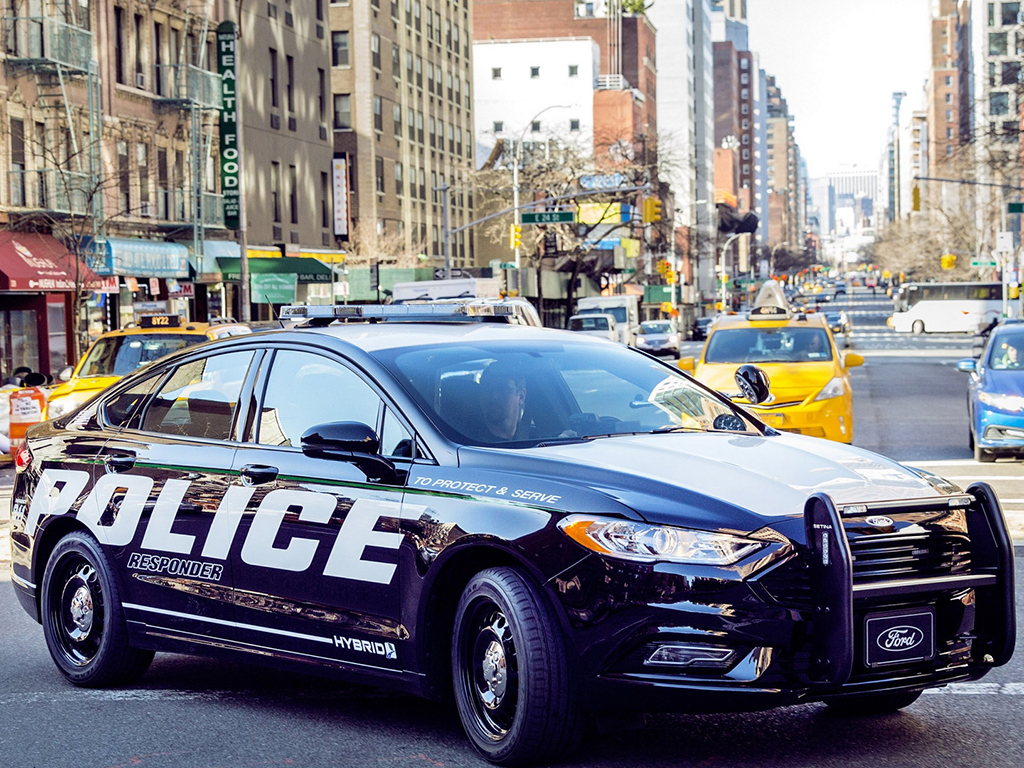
768 345
120 355
523 395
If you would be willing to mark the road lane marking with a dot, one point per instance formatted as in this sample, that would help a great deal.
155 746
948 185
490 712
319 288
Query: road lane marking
980 689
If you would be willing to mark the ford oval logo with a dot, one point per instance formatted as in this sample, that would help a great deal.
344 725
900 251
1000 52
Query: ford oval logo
901 638
879 521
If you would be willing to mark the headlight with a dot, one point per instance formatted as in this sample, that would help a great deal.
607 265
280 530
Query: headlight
645 543
1002 402
62 405
835 388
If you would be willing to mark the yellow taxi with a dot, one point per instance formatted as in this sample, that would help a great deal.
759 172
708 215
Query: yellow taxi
809 376
118 353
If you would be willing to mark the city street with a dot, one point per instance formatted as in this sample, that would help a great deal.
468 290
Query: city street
909 404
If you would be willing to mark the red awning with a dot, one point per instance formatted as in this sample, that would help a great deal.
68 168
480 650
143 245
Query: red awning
34 262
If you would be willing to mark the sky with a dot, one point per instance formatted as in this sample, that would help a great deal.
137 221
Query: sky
838 63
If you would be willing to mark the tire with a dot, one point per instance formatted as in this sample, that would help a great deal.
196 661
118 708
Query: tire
83 621
513 688
917 328
970 439
873 704
981 455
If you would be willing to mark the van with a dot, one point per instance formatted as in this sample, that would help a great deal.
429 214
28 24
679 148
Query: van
457 288
624 308
602 326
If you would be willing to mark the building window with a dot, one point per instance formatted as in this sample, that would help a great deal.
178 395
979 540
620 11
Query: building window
949 133
273 79
396 113
450 83
419 127
375 50
1010 11
574 70
378 113
293 193
949 98
378 164
275 191
744 93
949 150
744 78
996 43
574 125
339 49
342 111
499 126
432 131
142 161
124 199
534 72
949 79
998 103
325 208
419 71
746 138
1011 72
746 170
746 154
535 126
745 124
396 62
991 14
399 184
289 91
120 45
495 73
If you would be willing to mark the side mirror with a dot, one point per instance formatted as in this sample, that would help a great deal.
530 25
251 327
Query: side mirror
753 383
686 364
852 360
65 375
349 441
969 365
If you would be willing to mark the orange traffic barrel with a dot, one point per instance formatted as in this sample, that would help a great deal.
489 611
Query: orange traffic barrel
27 406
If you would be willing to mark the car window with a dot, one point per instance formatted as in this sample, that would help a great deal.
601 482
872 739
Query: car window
118 410
1007 352
768 345
120 355
304 390
395 439
199 398
558 391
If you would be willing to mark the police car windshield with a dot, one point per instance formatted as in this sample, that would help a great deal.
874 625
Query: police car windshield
521 395
120 355
768 345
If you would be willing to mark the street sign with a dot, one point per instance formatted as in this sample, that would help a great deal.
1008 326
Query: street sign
1004 242
984 264
507 265
1015 207
549 217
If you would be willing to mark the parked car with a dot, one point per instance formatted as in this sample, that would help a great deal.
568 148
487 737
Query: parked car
995 394
659 337
701 326
839 324
602 326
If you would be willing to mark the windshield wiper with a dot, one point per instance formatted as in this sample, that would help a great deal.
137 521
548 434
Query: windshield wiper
667 430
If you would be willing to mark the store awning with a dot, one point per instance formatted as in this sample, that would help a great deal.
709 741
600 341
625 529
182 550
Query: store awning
205 270
35 262
308 270
140 258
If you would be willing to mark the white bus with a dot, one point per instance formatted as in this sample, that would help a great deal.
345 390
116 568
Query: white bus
946 307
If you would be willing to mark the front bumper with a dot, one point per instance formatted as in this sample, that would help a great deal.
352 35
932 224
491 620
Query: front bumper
798 626
831 419
999 431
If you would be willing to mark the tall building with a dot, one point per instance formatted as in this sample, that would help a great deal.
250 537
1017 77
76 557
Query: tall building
401 78
786 187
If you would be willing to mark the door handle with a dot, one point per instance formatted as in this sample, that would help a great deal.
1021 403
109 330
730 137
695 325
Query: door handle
258 474
119 462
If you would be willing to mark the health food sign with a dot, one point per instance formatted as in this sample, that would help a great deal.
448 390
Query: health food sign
230 163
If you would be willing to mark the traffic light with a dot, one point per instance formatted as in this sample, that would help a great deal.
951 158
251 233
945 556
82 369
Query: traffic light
515 236
917 200
651 210
670 277
947 261
663 267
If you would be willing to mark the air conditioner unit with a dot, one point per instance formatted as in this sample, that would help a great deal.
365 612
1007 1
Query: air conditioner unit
140 80
146 210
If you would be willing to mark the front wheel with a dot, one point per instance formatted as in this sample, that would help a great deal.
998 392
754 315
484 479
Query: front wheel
511 676
874 703
918 327
83 621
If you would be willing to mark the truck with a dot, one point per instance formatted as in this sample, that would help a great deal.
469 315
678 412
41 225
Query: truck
456 288
624 308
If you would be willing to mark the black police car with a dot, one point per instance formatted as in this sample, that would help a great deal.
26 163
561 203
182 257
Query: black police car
542 523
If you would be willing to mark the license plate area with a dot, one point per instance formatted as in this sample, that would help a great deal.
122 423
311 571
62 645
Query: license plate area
899 637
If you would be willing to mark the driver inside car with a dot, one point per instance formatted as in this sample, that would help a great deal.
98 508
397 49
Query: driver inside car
502 403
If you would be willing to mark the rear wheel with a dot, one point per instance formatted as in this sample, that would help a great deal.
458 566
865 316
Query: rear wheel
511 675
873 704
917 327
83 621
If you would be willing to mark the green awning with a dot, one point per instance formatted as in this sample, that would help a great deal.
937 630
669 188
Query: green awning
308 270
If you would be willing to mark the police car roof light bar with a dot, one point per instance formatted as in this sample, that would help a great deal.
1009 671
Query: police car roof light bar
406 312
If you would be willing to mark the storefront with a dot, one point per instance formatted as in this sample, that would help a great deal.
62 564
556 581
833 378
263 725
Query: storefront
206 289
277 281
143 268
39 280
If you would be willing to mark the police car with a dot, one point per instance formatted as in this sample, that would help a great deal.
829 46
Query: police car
542 524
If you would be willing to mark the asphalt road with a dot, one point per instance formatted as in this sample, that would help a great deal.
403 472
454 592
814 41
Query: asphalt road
909 403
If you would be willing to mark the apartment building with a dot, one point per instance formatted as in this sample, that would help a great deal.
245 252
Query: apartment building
401 79
785 186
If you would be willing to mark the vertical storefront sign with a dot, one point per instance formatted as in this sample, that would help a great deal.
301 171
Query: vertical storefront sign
341 196
230 168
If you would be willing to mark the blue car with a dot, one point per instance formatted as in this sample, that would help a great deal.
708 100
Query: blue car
995 394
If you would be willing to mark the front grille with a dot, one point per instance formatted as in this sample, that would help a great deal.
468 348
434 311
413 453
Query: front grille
888 558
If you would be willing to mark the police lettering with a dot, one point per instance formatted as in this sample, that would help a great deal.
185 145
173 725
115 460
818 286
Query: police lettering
113 510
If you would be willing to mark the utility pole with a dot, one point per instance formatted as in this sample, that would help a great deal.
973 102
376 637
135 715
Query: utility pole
446 224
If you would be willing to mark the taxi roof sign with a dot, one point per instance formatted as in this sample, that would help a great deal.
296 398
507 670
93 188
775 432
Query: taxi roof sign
768 312
159 321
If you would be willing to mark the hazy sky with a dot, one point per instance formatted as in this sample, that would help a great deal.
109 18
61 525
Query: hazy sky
838 63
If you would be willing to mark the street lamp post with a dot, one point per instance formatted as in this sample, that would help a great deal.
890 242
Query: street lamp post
721 262
517 150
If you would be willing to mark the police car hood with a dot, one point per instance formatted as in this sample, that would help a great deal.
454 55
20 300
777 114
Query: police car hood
708 480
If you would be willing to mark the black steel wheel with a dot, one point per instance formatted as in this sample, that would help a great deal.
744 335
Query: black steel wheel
873 703
511 676
83 622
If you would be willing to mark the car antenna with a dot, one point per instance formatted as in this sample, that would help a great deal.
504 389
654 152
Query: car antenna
277 315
